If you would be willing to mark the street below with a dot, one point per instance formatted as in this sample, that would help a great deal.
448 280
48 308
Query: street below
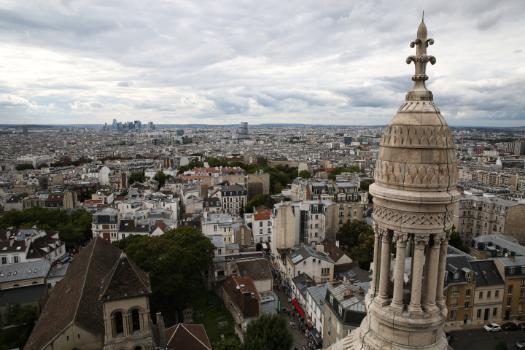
479 339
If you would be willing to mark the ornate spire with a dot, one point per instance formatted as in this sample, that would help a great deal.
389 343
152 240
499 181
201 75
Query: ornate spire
419 91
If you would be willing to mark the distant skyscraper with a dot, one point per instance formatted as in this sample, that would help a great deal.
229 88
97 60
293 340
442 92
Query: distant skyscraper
242 131
414 195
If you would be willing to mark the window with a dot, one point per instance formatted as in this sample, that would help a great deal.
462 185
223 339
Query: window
494 311
118 324
452 315
489 294
4 260
325 271
15 259
467 292
467 304
509 290
478 314
481 295
509 300
135 320
496 294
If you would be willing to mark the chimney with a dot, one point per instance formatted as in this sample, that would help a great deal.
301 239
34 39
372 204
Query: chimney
162 330
319 248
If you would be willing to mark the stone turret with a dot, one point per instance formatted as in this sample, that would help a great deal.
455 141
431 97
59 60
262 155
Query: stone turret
414 195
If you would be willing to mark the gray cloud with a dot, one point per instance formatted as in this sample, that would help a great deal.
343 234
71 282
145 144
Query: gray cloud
225 61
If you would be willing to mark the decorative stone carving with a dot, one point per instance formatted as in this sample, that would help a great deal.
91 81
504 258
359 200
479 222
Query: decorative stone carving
400 237
398 217
411 136
415 175
421 240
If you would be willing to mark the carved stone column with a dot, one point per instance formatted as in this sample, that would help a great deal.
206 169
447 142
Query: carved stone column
420 241
432 277
399 269
384 273
440 298
375 272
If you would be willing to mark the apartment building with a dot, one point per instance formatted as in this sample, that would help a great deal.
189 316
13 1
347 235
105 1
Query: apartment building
487 214
513 271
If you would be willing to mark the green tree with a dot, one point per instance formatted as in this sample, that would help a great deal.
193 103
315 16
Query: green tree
456 241
24 167
136 177
227 343
161 178
74 227
268 332
259 200
177 263
305 174
20 320
365 184
357 239
340 170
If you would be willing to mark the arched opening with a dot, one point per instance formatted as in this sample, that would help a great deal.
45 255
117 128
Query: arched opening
135 320
118 324
138 348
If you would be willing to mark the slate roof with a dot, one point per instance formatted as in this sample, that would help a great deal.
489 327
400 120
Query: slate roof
304 252
125 280
23 271
487 273
129 226
184 336
75 299
256 269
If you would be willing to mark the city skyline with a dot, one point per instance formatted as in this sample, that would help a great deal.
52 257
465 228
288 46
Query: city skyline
183 63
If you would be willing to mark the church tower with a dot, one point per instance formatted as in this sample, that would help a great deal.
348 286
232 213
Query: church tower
414 195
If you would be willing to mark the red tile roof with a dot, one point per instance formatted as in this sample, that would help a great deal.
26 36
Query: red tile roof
263 215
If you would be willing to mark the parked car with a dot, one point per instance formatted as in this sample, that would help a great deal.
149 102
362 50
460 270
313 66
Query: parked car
509 326
520 344
521 326
492 327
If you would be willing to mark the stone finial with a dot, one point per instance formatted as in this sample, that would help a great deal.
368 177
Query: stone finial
419 92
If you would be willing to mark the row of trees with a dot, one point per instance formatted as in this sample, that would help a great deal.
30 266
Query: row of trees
74 227
177 263
16 326
356 238
268 332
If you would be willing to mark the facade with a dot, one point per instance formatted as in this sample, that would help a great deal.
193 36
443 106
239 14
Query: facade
512 269
344 310
106 224
414 196
487 214
233 198
315 297
220 224
459 291
315 264
22 245
102 303
488 293
261 224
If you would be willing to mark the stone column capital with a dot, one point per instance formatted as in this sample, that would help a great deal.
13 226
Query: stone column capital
401 238
439 238
421 240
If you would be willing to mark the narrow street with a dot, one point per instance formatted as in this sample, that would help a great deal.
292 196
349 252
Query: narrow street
300 341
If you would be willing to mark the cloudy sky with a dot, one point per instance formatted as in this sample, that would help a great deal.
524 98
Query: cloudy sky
261 61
